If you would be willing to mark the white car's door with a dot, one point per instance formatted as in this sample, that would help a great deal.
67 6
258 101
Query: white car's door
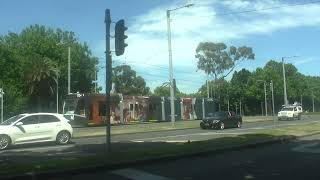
48 126
28 131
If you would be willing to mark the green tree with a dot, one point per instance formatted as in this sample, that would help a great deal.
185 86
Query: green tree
218 60
29 61
127 82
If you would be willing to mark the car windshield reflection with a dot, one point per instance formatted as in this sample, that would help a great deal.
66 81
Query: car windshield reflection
11 120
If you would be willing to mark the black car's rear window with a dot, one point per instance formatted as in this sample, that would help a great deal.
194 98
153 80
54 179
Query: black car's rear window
217 114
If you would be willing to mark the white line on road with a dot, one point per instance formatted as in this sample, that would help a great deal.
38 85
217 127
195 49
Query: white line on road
138 175
41 149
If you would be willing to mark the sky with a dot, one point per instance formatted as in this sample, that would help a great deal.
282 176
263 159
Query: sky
273 28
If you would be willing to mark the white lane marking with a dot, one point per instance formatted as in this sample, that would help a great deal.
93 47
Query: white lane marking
138 175
240 131
309 148
47 148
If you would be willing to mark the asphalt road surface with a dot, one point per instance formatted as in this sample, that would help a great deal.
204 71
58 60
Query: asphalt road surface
295 160
92 145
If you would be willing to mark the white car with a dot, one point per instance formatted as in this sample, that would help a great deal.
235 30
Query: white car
290 112
35 128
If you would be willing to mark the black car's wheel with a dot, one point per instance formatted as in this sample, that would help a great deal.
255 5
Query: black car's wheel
63 137
202 126
4 142
222 126
239 124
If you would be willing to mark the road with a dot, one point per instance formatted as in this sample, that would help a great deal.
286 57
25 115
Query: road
92 145
295 160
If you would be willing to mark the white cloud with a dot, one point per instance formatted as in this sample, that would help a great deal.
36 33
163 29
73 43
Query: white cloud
304 61
204 22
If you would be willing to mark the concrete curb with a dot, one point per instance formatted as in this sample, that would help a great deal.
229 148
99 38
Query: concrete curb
91 169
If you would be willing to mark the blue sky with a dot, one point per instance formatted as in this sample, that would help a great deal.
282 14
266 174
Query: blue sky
287 31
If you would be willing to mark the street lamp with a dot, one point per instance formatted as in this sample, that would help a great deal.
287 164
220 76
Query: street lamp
265 95
1 95
284 80
170 61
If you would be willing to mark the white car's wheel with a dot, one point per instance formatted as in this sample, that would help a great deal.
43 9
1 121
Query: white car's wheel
222 126
4 142
63 137
239 124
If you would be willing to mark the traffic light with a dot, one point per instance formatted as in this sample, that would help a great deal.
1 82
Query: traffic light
120 37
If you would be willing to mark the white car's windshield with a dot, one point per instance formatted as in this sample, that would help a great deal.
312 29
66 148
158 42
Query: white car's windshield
287 109
12 120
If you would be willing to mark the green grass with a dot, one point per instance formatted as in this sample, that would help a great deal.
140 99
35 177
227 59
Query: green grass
158 150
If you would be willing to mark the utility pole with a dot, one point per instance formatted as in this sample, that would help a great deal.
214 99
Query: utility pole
236 108
265 97
272 95
208 95
284 83
1 94
108 79
240 107
271 88
170 62
57 94
312 101
96 81
69 69
170 69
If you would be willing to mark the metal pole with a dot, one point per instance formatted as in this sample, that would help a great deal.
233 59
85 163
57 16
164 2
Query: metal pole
1 93
261 108
57 92
208 89
170 69
265 98
95 84
284 83
108 79
240 108
273 118
69 76
312 101
236 108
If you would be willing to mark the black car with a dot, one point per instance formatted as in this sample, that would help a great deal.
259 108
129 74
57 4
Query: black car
221 120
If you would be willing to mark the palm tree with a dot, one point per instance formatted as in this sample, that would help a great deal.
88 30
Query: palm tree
41 75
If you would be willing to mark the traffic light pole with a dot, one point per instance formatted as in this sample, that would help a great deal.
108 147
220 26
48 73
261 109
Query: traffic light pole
108 79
